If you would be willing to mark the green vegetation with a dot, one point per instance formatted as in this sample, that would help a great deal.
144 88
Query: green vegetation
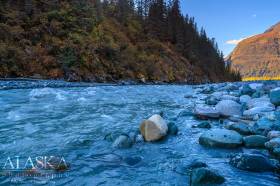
89 40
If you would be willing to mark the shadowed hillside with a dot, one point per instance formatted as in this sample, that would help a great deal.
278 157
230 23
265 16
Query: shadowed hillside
105 42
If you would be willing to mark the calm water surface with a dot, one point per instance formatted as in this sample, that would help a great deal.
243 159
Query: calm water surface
72 122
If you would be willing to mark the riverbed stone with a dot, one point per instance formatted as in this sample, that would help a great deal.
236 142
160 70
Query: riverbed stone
263 126
154 128
261 111
196 164
244 99
229 108
172 128
205 176
229 97
273 143
252 162
204 112
247 90
211 100
204 124
273 134
221 138
122 142
255 141
275 96
241 128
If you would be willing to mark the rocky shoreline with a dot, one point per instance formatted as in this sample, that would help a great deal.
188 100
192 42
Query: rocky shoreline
248 115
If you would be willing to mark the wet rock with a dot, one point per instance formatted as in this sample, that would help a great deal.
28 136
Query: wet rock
211 100
252 162
139 139
258 94
275 96
241 128
264 125
229 108
110 137
229 97
244 99
207 90
273 134
185 113
261 111
132 160
172 128
122 142
256 86
204 124
276 152
260 102
205 176
221 138
196 164
255 141
247 90
206 112
273 144
153 129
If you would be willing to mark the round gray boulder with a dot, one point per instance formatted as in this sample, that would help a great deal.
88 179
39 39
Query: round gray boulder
252 162
275 96
255 141
205 176
221 138
229 108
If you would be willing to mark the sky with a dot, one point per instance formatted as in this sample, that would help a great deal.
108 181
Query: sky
230 21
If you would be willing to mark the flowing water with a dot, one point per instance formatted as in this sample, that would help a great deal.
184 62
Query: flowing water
71 122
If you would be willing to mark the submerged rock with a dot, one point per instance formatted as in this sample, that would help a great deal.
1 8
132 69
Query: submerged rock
252 162
275 96
229 108
255 141
205 176
122 142
221 138
206 112
153 129
204 124
172 128
196 164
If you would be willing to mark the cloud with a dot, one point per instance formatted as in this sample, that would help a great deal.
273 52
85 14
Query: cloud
254 15
236 41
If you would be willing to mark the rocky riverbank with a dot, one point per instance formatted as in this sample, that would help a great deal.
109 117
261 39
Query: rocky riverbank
248 116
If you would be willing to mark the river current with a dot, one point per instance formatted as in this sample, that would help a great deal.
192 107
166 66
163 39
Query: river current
72 121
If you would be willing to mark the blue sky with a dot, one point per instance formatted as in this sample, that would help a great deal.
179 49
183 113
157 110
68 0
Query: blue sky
231 20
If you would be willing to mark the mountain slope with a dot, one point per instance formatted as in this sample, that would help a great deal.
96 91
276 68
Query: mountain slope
258 56
86 40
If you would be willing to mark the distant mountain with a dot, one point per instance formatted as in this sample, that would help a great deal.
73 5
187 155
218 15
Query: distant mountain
258 56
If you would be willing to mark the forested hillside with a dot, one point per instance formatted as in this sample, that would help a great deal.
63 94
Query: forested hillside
108 41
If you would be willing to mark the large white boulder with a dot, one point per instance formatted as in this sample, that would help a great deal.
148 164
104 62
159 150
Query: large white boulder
154 128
